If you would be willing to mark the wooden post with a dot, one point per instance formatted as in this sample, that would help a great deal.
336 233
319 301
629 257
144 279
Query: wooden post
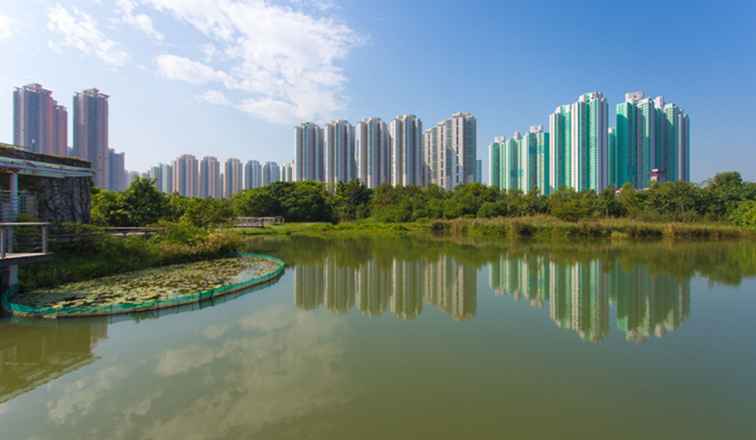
2 243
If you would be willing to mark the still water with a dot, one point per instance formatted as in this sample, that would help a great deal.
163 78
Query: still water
389 339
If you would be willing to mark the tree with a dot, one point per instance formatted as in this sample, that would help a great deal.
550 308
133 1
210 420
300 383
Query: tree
352 200
144 203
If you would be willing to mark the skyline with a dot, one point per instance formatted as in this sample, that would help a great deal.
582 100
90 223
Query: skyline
150 122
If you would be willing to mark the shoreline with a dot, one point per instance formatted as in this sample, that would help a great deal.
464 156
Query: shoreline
538 228
159 303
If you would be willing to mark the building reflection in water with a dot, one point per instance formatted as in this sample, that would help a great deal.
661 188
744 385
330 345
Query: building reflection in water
578 295
33 353
375 287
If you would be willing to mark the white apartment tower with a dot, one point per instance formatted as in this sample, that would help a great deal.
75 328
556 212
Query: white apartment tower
309 152
232 177
406 150
372 152
340 165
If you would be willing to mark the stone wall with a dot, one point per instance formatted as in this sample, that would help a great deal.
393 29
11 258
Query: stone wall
60 200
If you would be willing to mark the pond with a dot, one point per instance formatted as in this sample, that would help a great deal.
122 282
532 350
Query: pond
410 338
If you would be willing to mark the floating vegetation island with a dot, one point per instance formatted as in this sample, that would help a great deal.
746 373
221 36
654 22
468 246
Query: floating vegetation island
148 289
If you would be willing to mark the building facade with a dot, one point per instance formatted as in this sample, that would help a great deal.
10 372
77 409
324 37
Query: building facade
232 177
578 144
39 123
339 163
252 174
451 151
271 172
372 152
309 152
118 177
186 176
90 131
406 151
211 183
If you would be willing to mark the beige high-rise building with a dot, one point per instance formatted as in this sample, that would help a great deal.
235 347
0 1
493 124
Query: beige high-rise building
186 176
211 184
451 151
232 177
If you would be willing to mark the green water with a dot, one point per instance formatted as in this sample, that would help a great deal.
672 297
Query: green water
389 339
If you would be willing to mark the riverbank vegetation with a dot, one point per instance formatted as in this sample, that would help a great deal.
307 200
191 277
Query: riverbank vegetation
724 200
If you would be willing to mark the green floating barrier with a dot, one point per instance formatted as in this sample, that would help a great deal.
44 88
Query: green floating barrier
118 309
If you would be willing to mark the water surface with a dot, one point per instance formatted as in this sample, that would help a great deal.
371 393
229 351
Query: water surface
377 339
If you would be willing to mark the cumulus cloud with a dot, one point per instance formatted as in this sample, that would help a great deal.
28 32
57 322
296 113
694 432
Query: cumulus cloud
79 30
142 22
283 63
6 27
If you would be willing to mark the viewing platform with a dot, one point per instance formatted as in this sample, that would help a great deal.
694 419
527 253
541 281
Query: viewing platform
23 242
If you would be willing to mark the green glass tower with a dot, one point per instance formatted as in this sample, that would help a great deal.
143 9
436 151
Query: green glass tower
652 142
494 162
528 168
559 148
511 171
544 161
579 143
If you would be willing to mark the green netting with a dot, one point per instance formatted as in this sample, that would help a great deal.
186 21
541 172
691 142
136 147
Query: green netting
116 309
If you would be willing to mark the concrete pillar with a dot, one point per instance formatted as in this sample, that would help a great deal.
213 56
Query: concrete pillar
13 190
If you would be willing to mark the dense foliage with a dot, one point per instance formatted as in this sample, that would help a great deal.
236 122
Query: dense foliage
726 197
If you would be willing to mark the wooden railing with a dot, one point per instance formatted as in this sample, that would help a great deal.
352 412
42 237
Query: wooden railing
257 222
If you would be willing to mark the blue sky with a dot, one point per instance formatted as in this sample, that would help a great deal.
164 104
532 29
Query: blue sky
231 78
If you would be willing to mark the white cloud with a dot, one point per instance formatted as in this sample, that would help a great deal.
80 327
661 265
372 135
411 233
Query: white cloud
142 22
282 62
80 31
6 27
184 69
215 97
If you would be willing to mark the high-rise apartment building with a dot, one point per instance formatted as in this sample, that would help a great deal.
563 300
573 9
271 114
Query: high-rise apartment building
309 152
166 178
339 162
451 151
511 171
578 145
479 171
232 177
271 172
650 139
39 123
90 131
186 176
406 151
494 161
287 171
211 184
674 160
372 152
117 175
252 174
528 160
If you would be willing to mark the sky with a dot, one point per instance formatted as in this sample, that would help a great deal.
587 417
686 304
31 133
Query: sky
231 78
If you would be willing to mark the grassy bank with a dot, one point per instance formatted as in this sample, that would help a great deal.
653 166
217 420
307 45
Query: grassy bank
539 228
549 228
